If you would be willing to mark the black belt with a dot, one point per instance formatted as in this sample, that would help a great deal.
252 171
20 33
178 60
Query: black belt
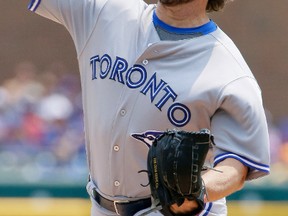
122 207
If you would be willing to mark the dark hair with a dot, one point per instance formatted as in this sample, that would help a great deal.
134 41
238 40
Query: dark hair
213 5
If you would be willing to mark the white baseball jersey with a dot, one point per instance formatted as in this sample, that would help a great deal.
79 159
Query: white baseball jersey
135 86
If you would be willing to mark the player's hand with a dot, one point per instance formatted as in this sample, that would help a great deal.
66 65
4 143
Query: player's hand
187 207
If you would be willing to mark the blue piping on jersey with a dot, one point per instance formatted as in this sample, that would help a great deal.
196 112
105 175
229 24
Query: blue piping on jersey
245 161
203 29
33 5
208 209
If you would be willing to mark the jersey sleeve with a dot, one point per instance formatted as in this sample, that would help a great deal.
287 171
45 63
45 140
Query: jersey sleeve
240 127
78 16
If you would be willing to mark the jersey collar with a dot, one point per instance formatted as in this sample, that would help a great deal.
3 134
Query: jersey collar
202 30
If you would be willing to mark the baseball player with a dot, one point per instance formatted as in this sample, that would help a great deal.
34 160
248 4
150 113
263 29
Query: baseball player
146 68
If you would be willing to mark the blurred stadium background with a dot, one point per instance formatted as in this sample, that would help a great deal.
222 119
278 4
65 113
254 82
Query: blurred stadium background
42 154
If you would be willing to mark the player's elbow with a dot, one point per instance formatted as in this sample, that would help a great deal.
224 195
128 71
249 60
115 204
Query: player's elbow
240 185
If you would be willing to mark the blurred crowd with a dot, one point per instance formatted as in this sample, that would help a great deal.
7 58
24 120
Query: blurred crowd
41 124
42 135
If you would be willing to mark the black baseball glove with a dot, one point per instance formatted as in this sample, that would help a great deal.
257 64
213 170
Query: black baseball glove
175 162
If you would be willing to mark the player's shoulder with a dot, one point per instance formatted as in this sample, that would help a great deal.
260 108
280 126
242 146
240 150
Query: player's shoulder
223 38
226 44
230 58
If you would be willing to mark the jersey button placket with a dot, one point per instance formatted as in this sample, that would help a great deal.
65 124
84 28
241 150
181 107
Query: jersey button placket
116 183
116 148
123 112
117 153
145 62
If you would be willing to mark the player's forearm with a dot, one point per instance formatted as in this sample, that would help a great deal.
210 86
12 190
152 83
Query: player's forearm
229 180
218 184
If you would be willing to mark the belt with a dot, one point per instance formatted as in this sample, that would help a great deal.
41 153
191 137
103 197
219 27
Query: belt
121 207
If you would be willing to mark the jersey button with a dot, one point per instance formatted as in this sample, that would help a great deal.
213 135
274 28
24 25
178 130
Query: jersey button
116 148
116 183
123 112
145 62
